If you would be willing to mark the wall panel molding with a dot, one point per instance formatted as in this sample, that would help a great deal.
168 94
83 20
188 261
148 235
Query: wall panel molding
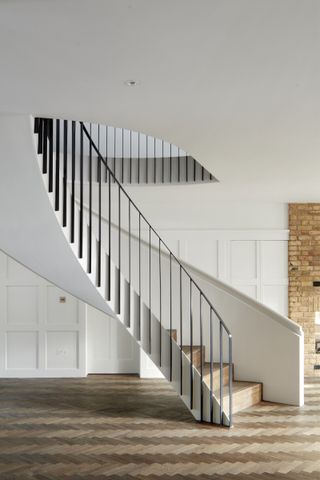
251 260
42 328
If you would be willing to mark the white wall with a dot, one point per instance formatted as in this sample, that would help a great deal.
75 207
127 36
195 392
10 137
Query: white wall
45 332
253 261
202 207
110 348
42 328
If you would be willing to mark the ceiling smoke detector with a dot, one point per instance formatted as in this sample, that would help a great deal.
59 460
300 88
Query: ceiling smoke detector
131 83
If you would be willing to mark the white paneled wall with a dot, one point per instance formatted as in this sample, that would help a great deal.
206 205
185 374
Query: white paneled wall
42 328
110 348
254 261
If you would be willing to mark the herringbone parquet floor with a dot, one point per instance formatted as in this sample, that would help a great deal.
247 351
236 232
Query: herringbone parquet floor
121 427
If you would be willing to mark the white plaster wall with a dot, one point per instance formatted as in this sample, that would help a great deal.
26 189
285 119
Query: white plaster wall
110 347
42 328
202 207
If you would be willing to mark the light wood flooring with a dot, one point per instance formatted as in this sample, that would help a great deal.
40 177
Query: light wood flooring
122 427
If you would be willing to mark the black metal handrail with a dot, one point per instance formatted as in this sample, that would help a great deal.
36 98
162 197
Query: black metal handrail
149 225
45 129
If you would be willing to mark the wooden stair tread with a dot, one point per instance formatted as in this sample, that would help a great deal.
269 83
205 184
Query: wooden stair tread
198 354
173 334
244 395
187 348
215 367
240 386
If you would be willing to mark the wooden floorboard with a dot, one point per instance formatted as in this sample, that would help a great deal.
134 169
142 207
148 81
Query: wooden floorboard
122 427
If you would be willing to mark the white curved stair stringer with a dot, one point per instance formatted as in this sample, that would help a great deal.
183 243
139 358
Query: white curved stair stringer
29 231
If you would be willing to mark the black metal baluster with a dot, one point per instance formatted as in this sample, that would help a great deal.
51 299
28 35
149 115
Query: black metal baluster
187 169
50 138
107 153
230 380
221 371
150 292
201 361
81 195
99 224
211 366
181 335
57 178
194 170
160 304
40 137
170 162
179 166
98 143
147 161
122 155
129 259
139 157
154 161
65 172
114 153
109 237
202 173
170 312
139 275
45 146
191 347
130 161
162 160
119 248
36 125
90 206
73 175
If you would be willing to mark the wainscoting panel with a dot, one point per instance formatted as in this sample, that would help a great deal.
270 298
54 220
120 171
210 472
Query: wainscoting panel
42 328
253 261
110 348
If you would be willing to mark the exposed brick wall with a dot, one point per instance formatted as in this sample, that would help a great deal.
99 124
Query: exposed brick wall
304 268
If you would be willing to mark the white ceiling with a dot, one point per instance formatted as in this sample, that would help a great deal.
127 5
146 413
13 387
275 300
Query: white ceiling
233 82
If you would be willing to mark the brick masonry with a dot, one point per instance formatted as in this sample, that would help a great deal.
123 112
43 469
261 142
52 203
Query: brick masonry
304 268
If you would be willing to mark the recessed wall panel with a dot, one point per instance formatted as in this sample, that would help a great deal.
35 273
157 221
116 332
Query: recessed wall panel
61 308
19 273
276 297
62 350
22 350
243 262
274 260
22 305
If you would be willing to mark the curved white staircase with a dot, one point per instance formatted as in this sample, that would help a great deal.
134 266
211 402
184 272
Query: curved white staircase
115 262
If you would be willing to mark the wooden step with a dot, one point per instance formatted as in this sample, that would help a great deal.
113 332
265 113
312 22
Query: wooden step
197 357
216 374
173 333
244 395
